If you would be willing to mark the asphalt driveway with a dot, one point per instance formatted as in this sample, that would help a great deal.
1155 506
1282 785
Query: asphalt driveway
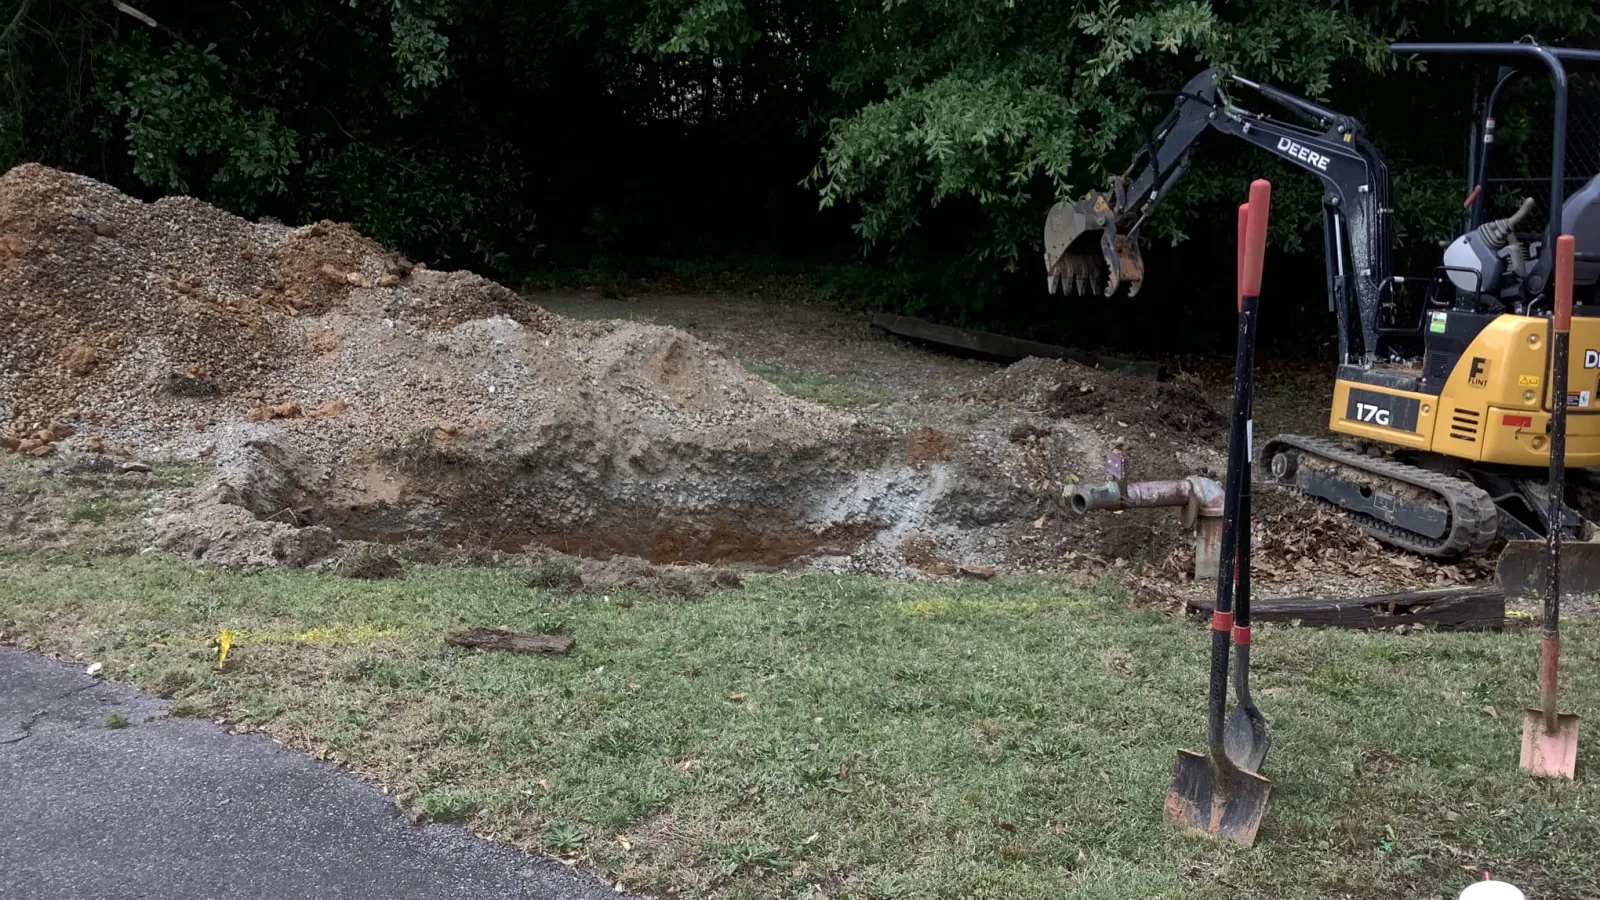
178 809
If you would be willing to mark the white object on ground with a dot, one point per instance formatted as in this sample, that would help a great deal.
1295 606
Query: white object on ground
1492 890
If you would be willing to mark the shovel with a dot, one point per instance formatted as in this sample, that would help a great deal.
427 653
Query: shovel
1549 739
1209 791
1521 567
1246 736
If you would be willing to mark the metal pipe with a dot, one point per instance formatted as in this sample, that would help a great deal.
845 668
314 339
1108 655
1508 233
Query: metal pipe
1116 469
1131 495
1207 548
1206 515
1481 172
1199 502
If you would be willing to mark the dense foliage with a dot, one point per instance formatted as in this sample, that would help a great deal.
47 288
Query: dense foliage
931 134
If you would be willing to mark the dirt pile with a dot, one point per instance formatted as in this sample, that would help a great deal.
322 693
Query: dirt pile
1168 429
343 388
346 394
1056 421
1062 388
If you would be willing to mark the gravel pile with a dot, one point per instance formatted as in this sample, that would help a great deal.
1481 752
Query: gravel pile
340 386
346 395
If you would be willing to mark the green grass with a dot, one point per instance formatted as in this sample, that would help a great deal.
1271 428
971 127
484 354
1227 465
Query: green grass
86 510
824 389
97 511
116 720
858 737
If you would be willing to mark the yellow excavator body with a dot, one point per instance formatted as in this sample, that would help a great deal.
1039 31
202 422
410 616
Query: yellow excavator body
1494 405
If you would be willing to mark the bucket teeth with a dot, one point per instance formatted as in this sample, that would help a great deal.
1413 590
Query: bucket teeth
1108 252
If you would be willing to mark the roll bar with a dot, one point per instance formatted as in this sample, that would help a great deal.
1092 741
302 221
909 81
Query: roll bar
1555 60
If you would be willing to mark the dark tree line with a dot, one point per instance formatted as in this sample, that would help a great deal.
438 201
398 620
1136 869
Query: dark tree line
920 140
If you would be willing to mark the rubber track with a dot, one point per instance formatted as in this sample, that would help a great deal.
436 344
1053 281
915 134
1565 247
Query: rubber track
1474 519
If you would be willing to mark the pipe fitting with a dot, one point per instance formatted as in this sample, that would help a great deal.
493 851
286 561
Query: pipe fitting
1205 500
1104 495
1199 502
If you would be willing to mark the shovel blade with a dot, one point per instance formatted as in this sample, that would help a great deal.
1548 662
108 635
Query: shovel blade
1223 804
1246 738
1521 567
1547 754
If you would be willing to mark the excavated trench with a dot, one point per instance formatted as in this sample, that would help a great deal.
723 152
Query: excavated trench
831 501
344 393
720 540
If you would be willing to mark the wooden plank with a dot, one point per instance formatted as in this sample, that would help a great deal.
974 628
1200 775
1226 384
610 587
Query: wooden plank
511 641
1003 347
1464 609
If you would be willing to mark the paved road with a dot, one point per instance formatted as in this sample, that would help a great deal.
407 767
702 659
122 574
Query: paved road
178 809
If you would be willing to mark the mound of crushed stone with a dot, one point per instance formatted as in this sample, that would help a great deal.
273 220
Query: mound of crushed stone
348 396
344 392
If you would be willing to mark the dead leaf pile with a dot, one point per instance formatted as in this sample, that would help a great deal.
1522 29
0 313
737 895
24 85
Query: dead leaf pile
1296 537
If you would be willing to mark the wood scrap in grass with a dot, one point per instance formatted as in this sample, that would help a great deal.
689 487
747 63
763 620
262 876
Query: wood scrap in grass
511 641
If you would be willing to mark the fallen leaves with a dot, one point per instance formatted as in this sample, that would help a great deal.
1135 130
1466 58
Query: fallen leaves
1294 537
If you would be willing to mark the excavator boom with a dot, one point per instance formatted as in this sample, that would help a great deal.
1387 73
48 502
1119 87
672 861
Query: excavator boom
1091 245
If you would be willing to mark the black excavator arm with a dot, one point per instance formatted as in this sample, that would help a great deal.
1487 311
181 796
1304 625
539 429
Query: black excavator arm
1092 244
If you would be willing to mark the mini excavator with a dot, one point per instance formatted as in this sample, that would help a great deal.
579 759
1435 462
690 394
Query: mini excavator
1444 421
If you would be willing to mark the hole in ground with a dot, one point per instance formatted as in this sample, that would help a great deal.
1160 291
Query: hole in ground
660 540
767 520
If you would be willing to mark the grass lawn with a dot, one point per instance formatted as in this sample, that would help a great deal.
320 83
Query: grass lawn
824 389
843 736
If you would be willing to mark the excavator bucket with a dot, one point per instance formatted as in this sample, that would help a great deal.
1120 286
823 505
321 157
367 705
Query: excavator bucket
1084 254
1521 567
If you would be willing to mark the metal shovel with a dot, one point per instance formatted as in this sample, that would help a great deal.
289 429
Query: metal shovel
1209 791
1549 739
1246 737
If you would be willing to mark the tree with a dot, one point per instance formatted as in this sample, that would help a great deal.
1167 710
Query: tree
937 131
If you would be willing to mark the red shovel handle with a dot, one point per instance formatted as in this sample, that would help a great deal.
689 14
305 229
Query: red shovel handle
1255 242
1244 226
1549 667
1565 251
